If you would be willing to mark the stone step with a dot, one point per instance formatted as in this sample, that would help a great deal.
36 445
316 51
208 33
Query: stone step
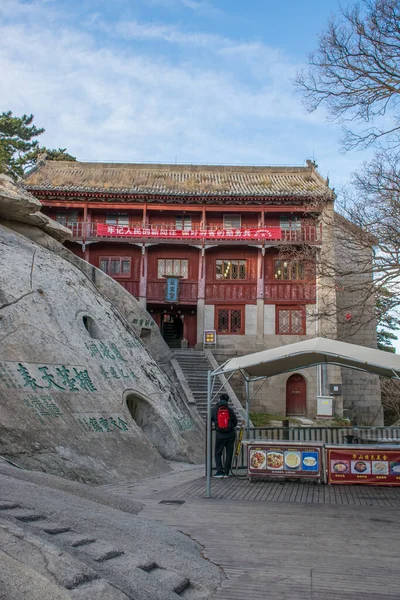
195 367
84 567
198 368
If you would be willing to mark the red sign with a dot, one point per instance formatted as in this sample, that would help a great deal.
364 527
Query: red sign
373 465
268 233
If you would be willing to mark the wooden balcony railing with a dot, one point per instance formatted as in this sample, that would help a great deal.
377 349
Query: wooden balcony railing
187 291
309 234
301 291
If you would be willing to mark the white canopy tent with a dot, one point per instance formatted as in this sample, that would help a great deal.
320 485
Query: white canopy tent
312 352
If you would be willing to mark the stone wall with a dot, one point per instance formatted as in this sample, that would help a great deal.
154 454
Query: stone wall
356 321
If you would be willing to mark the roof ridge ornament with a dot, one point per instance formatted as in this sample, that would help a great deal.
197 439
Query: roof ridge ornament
311 164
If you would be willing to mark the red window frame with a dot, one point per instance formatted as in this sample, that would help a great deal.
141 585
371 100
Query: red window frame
230 309
293 268
238 266
291 310
114 258
182 267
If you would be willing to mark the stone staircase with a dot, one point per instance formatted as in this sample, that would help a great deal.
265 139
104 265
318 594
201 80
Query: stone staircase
169 335
195 366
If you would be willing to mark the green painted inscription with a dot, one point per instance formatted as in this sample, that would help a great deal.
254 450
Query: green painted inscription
102 350
102 424
35 377
43 407
184 423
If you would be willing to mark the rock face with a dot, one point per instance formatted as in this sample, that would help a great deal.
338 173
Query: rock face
80 393
56 544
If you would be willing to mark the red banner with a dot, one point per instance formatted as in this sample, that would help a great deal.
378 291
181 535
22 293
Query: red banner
269 233
375 465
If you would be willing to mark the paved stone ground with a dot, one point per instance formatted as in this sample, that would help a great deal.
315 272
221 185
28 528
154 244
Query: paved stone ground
264 541
284 541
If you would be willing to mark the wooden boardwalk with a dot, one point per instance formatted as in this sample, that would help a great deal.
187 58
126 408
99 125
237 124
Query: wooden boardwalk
284 541
287 491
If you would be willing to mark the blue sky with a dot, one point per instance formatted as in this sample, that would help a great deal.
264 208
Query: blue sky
202 81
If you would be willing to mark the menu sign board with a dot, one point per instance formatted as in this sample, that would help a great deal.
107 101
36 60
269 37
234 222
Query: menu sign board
269 459
377 466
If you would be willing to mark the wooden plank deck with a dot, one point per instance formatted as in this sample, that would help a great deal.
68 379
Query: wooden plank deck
296 551
287 491
285 540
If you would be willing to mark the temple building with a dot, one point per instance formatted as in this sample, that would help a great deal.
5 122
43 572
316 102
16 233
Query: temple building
224 249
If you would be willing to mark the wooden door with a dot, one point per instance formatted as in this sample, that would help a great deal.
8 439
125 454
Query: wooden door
296 395
190 329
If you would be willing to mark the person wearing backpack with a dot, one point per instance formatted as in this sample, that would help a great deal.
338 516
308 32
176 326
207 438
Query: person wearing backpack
225 421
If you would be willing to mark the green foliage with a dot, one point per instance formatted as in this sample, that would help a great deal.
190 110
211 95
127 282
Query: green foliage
60 154
387 321
16 141
264 419
19 150
339 421
385 341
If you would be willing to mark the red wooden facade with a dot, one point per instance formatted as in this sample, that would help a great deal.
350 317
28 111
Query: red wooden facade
229 273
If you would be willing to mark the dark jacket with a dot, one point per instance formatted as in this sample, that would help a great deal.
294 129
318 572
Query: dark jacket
233 421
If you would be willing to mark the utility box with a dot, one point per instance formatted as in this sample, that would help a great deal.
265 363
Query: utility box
324 406
335 389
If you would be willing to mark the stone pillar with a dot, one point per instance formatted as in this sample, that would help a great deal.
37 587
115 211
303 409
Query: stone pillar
260 296
201 289
143 278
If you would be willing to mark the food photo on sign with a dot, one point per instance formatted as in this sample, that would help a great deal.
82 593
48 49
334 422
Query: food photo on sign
258 459
292 460
310 461
360 466
340 466
275 460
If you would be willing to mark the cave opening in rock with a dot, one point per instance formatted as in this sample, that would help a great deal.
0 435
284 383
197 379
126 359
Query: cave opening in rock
148 419
91 327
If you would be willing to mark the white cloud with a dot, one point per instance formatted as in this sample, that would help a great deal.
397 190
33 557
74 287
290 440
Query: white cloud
166 33
107 101
201 7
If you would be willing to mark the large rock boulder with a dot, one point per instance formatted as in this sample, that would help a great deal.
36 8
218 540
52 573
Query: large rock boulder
80 393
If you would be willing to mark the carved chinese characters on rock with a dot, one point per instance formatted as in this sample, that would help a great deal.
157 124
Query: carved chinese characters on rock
116 365
102 423
38 377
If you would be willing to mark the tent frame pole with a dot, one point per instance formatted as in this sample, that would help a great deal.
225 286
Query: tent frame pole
247 391
209 434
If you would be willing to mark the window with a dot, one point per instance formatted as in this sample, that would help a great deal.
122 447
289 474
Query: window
290 321
289 270
290 224
120 219
178 267
66 217
230 320
232 221
116 266
183 223
230 269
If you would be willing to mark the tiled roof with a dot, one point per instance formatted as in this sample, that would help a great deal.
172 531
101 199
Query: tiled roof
178 180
